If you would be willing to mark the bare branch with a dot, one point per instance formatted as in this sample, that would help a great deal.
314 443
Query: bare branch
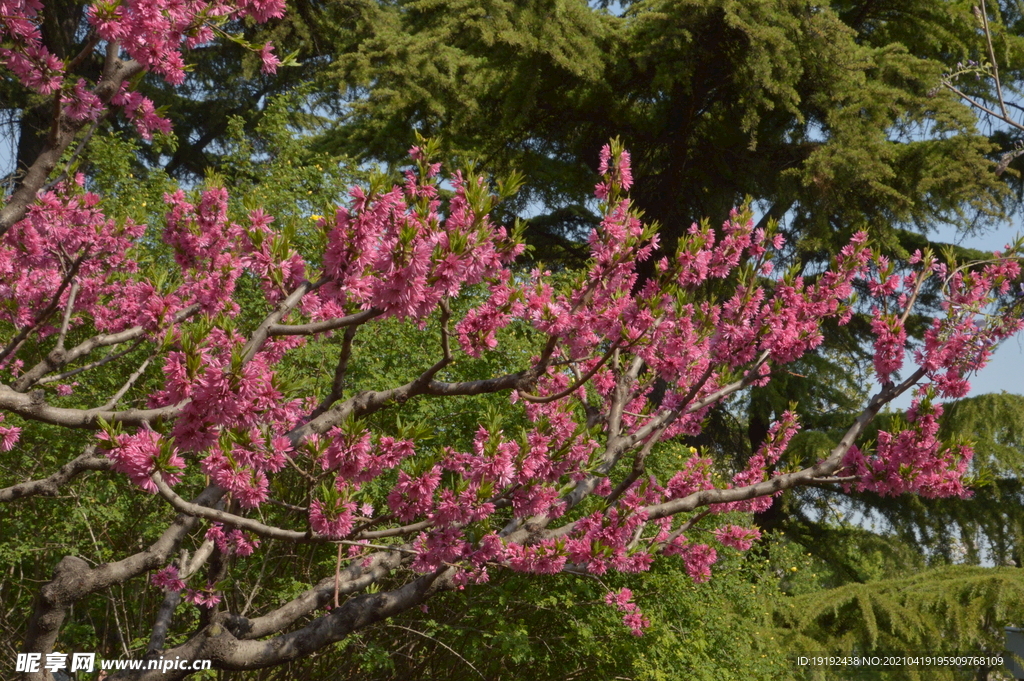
442 644
254 526
992 59
356 577
57 360
981 107
92 365
371 401
394 531
50 486
324 326
112 402
73 579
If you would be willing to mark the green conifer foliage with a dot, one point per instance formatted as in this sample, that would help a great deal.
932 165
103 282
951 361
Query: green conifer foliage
949 611
829 115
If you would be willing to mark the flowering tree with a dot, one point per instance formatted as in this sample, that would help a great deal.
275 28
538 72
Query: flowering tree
619 367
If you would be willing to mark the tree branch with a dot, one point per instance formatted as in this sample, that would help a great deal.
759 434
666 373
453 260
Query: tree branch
92 365
115 71
57 360
321 327
580 381
112 402
73 579
226 651
216 515
356 577
34 407
50 486
992 57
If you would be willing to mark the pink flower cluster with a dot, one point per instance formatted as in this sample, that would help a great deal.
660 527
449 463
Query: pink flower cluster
232 541
634 619
912 460
206 597
697 558
38 255
168 579
34 65
141 111
962 341
8 436
154 32
140 454
734 536
385 254
332 520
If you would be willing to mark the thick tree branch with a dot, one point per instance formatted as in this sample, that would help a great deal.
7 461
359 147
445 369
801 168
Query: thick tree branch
73 579
34 407
370 401
50 486
217 643
115 72
356 577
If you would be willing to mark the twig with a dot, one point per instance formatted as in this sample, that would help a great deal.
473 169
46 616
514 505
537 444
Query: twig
72 294
440 643
337 576
92 365
992 57
74 156
580 382
321 327
126 387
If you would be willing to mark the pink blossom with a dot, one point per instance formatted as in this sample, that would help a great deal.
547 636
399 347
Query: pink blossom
741 538
335 522
167 579
269 61
634 619
204 598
